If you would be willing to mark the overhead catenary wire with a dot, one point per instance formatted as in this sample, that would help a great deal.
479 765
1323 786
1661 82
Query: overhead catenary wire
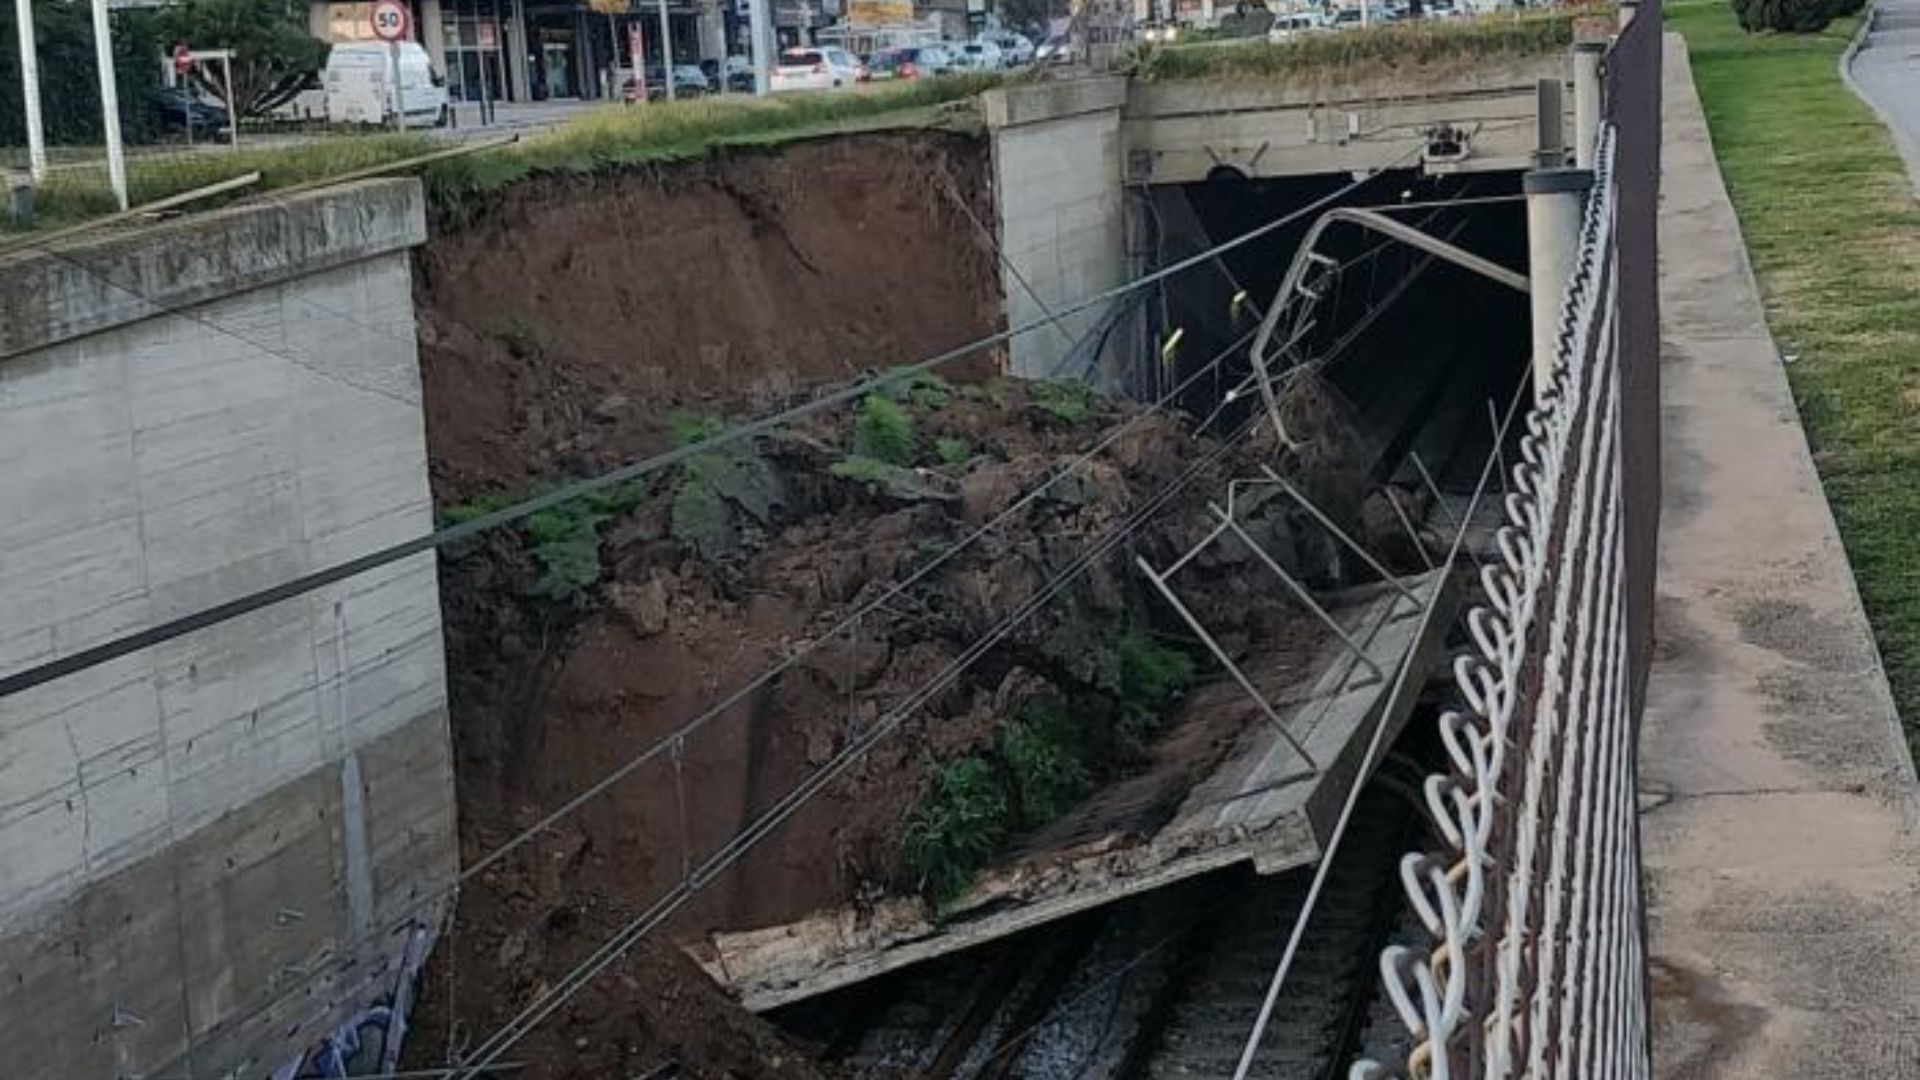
515 1029
1008 1043
1252 1048
14 683
93 656
664 743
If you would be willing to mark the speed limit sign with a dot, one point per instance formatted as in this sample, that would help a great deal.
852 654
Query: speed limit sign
392 21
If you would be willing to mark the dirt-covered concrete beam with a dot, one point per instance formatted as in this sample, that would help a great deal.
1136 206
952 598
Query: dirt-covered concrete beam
1015 106
48 296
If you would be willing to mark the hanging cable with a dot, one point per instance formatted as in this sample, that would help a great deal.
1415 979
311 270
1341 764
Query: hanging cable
115 648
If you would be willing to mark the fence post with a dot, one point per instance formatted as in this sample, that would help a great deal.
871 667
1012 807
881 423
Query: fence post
30 90
1555 198
1550 132
1586 99
109 102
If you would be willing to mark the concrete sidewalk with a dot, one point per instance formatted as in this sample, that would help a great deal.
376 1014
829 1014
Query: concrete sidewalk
1778 800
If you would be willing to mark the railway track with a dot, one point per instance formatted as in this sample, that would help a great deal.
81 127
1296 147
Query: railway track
1162 986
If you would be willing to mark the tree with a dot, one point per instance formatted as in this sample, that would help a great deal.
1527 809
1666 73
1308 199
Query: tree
1786 16
1028 16
69 81
273 55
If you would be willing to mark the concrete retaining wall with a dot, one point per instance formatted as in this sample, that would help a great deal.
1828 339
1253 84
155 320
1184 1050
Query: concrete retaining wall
204 843
1062 212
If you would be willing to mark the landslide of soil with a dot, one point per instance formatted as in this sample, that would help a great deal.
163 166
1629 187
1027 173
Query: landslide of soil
583 322
573 311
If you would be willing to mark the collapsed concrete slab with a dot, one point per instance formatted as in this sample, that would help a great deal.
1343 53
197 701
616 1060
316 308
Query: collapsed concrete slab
1260 804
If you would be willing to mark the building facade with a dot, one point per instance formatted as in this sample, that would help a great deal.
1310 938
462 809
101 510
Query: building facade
538 50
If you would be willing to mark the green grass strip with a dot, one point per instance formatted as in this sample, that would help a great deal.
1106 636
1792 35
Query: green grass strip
1357 54
1834 234
610 136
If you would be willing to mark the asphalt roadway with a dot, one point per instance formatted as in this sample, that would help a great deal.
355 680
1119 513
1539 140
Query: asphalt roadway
1886 72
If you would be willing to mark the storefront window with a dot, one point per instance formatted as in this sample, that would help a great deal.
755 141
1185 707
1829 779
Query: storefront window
475 67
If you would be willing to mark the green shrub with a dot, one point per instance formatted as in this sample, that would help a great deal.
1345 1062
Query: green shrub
865 469
461 513
1057 746
1041 748
1067 402
923 389
956 827
1787 16
687 428
884 432
566 539
952 451
1151 674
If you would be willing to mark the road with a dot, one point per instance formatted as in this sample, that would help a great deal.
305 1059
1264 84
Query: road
1886 71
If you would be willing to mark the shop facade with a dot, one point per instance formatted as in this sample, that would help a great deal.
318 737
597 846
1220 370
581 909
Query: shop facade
537 50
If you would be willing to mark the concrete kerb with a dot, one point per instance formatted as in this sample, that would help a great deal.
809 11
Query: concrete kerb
1014 106
49 295
1909 149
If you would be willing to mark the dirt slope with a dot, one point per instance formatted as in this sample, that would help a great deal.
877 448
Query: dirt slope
553 346
557 328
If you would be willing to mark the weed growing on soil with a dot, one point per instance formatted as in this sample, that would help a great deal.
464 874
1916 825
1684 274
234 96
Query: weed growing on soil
1152 675
952 450
1068 402
865 470
923 390
1058 746
960 823
460 513
566 540
1045 772
884 432
688 428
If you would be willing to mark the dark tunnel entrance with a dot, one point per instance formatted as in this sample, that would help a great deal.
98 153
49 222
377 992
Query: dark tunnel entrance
1425 352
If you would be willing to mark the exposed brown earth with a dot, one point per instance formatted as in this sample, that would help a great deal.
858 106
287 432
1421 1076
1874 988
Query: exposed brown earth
795 269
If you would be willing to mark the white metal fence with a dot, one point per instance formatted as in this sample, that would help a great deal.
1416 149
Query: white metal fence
1536 967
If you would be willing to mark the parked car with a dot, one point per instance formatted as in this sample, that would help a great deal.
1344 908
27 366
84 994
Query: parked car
179 111
978 56
1015 51
1287 27
910 62
814 68
735 71
1159 32
1055 50
688 81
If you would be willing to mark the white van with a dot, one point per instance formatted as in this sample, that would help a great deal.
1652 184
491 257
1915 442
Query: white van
359 85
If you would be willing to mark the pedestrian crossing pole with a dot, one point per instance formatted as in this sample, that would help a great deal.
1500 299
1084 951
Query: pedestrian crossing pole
109 102
30 89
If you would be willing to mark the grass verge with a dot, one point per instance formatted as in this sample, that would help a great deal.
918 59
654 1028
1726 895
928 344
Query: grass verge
607 137
1355 54
1834 235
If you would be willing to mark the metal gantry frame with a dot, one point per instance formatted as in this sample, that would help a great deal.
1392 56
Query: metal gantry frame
1227 522
1306 259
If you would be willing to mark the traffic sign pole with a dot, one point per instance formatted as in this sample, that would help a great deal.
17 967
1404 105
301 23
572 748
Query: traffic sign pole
393 24
30 90
109 102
